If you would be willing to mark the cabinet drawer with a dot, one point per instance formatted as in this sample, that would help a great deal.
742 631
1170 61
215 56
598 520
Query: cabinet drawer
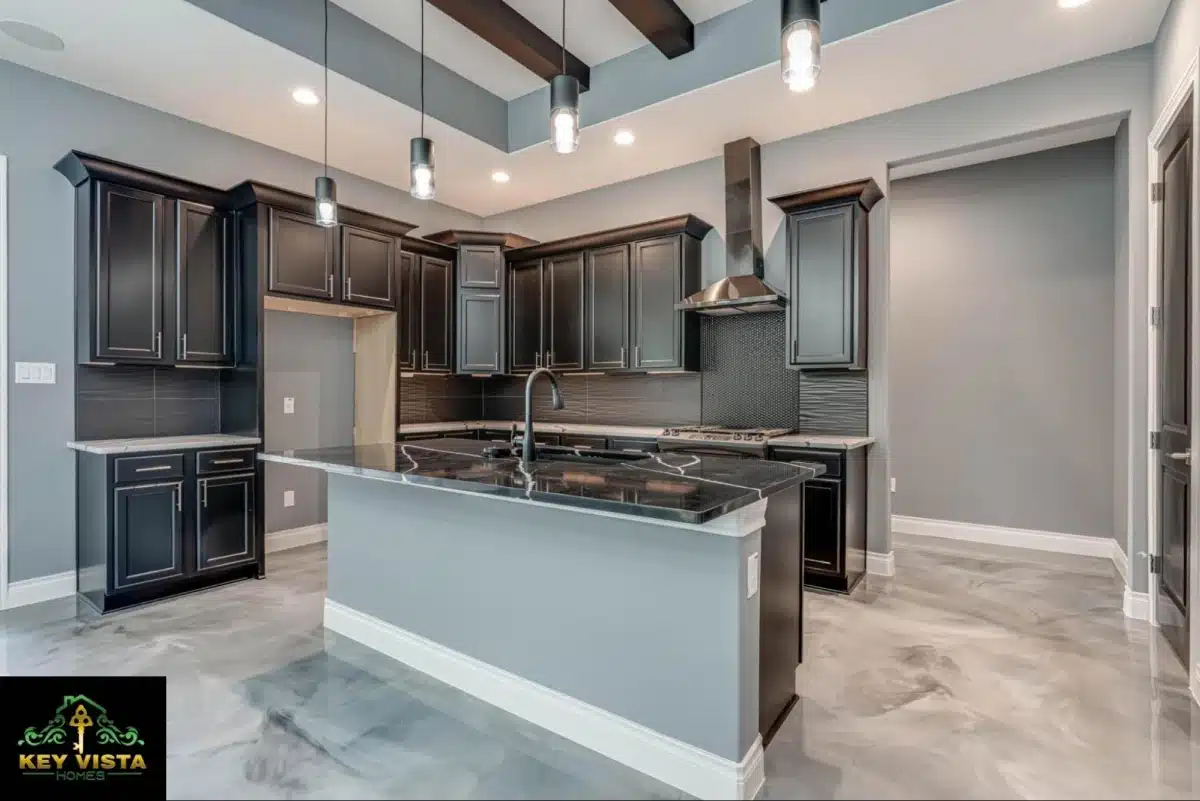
496 435
222 461
833 461
644 445
584 441
153 467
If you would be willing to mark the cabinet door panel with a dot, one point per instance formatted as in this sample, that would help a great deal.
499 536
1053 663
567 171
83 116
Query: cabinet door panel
608 308
437 294
129 280
300 261
224 521
202 284
479 332
822 278
657 327
368 268
147 533
823 525
563 293
479 267
408 309
525 316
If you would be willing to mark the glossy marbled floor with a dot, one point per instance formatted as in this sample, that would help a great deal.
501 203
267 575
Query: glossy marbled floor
973 674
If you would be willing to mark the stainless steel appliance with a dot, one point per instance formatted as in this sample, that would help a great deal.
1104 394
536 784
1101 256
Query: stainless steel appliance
782 586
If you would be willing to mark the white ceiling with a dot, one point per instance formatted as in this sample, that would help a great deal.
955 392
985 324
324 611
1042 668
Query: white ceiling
954 48
596 32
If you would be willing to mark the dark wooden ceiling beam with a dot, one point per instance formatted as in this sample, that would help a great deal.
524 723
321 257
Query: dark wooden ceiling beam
501 26
662 22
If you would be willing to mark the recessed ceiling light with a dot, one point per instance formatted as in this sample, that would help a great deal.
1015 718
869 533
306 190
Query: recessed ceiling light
624 138
31 35
500 177
1072 3
305 96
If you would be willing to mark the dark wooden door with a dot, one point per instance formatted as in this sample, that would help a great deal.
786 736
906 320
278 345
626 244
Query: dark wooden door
480 267
657 282
129 279
525 316
821 276
562 292
608 308
823 525
202 284
301 256
1175 370
437 314
368 268
480 332
147 533
408 312
224 521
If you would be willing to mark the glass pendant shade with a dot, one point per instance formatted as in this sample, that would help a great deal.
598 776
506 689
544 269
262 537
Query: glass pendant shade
327 215
800 44
422 185
564 113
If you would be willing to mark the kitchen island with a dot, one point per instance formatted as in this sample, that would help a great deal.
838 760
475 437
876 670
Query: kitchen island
613 599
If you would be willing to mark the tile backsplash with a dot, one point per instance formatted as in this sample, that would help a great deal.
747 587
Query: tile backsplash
113 402
439 398
652 400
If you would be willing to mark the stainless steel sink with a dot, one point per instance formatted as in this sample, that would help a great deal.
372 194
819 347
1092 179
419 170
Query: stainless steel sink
557 453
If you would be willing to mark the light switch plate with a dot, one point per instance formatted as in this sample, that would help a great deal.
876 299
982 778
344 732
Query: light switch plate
893 483
289 498
289 405
753 574
35 373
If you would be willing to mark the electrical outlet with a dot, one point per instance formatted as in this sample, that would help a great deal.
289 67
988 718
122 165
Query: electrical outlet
289 405
753 574
289 498
893 483
35 373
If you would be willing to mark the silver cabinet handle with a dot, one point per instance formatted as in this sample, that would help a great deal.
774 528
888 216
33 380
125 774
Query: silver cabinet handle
537 360
226 461
204 492
1182 456
622 355
348 292
425 363
158 344
414 358
637 355
184 338
178 493
152 469
496 360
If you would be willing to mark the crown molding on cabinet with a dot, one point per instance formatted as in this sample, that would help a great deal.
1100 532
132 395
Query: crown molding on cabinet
423 247
250 192
688 224
78 167
866 192
489 238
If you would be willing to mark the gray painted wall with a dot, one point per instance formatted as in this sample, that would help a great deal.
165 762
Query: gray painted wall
1121 375
646 621
310 359
1002 340
1114 84
43 118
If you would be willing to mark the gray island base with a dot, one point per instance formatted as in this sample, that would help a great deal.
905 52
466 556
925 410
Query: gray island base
631 633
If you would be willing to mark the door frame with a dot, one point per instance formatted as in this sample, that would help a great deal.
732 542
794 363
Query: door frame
4 317
1188 86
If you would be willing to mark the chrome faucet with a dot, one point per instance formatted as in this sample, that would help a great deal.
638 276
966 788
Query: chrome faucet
528 454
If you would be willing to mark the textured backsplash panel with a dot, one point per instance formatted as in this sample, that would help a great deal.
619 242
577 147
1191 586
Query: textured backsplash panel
654 400
114 402
833 403
439 399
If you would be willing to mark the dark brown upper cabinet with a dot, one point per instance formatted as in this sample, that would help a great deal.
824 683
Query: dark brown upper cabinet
437 315
562 305
480 267
827 247
525 315
301 257
154 270
657 287
203 284
480 332
368 268
408 311
607 299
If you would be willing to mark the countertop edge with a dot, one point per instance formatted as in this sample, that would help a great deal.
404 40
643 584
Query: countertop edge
111 446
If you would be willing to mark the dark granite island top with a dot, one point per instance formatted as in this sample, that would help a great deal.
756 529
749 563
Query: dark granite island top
666 486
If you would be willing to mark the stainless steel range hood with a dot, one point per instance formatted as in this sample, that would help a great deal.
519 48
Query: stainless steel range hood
743 290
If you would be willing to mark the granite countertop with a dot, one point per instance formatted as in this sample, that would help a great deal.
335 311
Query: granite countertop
824 441
151 444
675 487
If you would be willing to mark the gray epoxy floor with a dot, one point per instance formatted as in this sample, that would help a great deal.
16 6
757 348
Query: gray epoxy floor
975 673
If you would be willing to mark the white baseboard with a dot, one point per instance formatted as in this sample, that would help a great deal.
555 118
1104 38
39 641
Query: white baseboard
42 588
1121 562
691 769
881 564
1136 604
999 535
296 537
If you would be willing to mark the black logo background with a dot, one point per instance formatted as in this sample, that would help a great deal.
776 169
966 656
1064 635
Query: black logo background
139 701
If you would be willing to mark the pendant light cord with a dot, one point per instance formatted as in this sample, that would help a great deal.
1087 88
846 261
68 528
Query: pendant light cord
326 88
564 38
422 69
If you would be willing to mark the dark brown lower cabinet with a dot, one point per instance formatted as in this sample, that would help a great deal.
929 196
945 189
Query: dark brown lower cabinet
149 527
835 517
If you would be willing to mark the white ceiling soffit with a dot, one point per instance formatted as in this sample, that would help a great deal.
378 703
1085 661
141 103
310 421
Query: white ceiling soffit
963 45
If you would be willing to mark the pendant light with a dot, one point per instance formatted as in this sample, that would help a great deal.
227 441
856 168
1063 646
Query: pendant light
420 149
327 215
564 102
800 43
